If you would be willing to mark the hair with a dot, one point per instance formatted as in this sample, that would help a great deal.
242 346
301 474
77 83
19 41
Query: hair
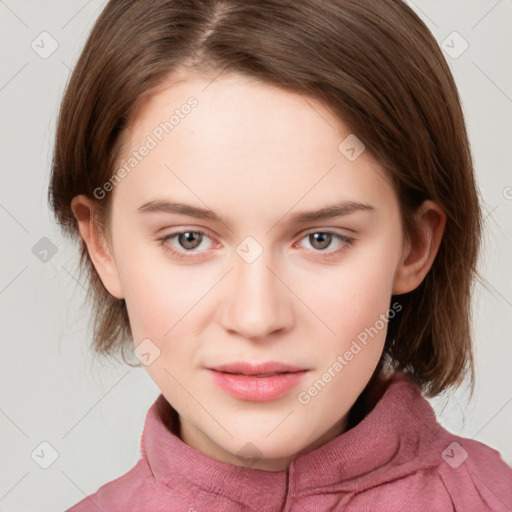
374 64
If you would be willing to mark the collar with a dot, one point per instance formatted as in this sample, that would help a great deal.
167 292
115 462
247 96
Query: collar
397 415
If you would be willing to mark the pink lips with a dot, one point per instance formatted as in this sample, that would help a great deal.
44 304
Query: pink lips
257 382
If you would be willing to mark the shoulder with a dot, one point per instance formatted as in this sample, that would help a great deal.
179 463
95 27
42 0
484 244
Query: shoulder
135 490
434 469
445 473
122 488
475 476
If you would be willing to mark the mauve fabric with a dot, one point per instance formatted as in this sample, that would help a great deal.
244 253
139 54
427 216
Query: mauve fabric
398 458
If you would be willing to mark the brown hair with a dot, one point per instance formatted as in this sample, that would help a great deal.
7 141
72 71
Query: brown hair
373 63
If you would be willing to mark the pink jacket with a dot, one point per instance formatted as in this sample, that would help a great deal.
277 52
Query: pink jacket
398 458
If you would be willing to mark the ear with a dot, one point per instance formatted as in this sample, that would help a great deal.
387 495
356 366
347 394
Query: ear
418 255
97 246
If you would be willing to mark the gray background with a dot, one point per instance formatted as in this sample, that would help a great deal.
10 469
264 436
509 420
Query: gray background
92 413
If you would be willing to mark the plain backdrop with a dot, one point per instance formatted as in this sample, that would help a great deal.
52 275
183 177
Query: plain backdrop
83 419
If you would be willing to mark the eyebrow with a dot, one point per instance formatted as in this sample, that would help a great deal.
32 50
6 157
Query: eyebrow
327 212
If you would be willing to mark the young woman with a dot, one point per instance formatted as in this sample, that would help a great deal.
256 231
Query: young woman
278 217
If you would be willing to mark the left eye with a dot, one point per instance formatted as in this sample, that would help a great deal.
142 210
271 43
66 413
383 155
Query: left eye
320 240
324 238
191 240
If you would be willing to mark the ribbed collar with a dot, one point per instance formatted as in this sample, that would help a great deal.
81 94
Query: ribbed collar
352 461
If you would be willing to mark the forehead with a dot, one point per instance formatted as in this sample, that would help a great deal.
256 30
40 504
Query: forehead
242 106
241 141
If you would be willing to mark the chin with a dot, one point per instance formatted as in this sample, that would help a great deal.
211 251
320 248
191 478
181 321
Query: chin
259 450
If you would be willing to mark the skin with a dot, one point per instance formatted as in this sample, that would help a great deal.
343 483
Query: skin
255 155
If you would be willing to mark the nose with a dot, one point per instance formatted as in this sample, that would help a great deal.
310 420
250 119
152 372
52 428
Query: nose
258 302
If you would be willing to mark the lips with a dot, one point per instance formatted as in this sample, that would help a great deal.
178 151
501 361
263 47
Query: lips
265 369
257 382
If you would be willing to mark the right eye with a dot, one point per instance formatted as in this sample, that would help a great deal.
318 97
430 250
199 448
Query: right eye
187 239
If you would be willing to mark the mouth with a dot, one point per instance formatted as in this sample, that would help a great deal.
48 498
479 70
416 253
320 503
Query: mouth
258 375
265 369
257 382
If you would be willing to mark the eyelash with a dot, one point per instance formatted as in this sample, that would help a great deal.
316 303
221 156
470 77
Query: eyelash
347 241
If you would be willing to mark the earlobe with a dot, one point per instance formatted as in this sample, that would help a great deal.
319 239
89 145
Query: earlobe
419 255
97 246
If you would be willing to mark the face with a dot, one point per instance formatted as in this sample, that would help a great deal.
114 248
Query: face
255 280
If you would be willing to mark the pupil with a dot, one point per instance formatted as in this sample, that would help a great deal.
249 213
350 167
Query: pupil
318 238
188 238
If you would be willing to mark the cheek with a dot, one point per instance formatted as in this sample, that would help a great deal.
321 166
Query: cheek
156 294
158 310
352 296
356 310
